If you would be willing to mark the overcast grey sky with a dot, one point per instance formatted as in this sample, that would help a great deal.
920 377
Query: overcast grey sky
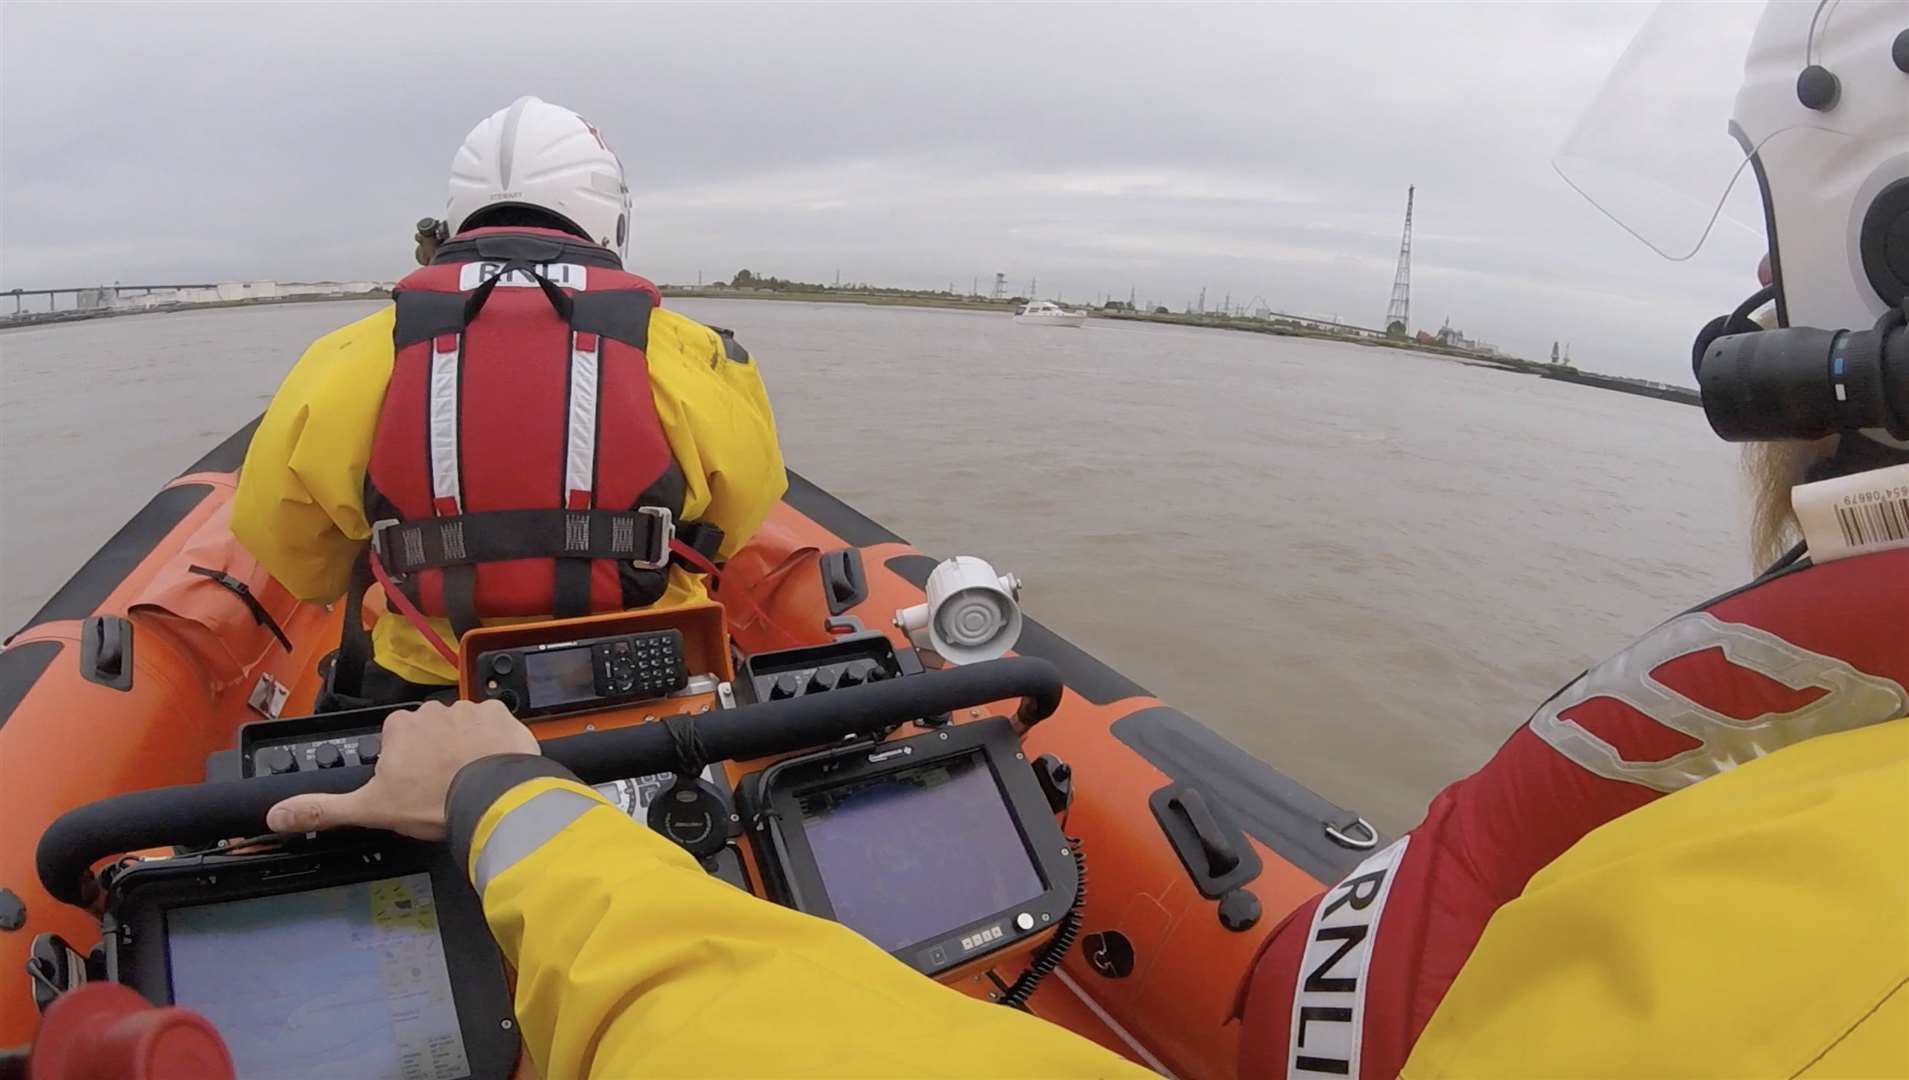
1261 150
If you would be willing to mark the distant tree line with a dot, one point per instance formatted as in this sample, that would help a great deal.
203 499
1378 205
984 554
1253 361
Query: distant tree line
749 279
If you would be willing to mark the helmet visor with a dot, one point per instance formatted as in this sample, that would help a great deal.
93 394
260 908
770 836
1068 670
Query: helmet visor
1665 147
1654 151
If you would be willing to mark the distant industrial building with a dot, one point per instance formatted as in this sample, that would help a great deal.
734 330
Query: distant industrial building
1453 338
110 298
99 300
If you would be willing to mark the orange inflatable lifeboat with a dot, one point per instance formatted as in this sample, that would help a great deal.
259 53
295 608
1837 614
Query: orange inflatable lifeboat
172 660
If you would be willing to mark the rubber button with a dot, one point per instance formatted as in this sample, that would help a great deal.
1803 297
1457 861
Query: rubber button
1239 910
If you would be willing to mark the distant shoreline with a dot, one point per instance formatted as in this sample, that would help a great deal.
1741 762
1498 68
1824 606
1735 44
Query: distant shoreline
875 298
1558 372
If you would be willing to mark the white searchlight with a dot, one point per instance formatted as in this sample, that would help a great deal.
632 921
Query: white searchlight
971 614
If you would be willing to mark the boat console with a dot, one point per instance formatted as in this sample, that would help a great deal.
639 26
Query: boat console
833 778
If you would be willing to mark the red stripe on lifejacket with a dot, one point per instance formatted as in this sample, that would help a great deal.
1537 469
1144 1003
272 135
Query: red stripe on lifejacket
587 342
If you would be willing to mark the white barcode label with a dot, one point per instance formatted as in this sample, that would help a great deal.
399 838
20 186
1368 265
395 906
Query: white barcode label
1854 515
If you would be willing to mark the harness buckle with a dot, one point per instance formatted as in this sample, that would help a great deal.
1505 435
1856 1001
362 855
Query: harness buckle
378 530
665 532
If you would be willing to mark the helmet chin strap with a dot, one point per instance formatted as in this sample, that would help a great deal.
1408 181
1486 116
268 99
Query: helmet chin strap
1737 322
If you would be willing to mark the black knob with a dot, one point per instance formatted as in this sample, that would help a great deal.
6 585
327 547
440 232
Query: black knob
507 697
785 687
274 761
369 748
502 664
857 672
823 679
328 756
1239 910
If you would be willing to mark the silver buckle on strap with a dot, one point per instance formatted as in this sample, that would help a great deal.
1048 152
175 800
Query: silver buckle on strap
665 532
378 530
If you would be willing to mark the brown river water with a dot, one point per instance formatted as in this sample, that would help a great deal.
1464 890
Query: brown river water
1366 566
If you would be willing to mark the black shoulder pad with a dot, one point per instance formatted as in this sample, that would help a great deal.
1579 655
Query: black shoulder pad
732 349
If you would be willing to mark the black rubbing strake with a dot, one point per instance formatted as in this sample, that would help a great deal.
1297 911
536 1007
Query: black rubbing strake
228 455
836 516
20 668
1284 814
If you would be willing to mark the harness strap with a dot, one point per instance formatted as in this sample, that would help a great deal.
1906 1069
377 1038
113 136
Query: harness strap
641 536
460 599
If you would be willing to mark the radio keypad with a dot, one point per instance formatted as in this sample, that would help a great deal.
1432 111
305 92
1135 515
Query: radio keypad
642 664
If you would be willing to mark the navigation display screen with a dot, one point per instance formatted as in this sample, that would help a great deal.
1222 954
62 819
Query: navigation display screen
559 677
341 982
913 855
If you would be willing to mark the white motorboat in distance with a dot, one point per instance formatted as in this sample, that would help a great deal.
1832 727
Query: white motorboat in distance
1042 313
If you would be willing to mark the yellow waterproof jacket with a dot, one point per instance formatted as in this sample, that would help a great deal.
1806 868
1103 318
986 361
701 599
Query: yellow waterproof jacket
1756 924
300 511
631 961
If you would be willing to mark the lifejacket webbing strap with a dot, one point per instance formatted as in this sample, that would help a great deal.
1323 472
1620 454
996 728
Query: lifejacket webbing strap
460 599
559 300
641 536
572 588
702 539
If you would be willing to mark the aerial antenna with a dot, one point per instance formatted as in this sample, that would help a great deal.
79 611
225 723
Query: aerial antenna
1399 313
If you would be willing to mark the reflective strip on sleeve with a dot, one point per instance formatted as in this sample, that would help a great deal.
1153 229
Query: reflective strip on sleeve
1328 1023
527 828
580 462
446 485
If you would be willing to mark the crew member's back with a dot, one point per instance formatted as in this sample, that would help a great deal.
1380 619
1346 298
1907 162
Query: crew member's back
525 433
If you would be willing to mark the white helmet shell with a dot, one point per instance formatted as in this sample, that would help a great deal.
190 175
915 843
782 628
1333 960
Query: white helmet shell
1822 169
532 153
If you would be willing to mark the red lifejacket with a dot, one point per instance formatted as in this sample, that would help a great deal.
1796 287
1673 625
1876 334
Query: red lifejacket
519 468
1347 982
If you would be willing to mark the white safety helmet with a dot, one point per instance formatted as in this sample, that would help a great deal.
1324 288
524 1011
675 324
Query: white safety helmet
1820 122
535 154
1823 115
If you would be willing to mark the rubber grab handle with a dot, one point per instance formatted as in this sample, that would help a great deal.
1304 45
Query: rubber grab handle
207 813
1221 855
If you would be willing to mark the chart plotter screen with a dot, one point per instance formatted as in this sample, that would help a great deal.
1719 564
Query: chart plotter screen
919 852
347 981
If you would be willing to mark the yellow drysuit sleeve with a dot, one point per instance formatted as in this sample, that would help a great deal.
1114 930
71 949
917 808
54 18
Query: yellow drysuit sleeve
1754 924
631 961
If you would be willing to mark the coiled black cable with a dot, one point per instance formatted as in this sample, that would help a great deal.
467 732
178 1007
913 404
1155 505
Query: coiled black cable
1051 954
